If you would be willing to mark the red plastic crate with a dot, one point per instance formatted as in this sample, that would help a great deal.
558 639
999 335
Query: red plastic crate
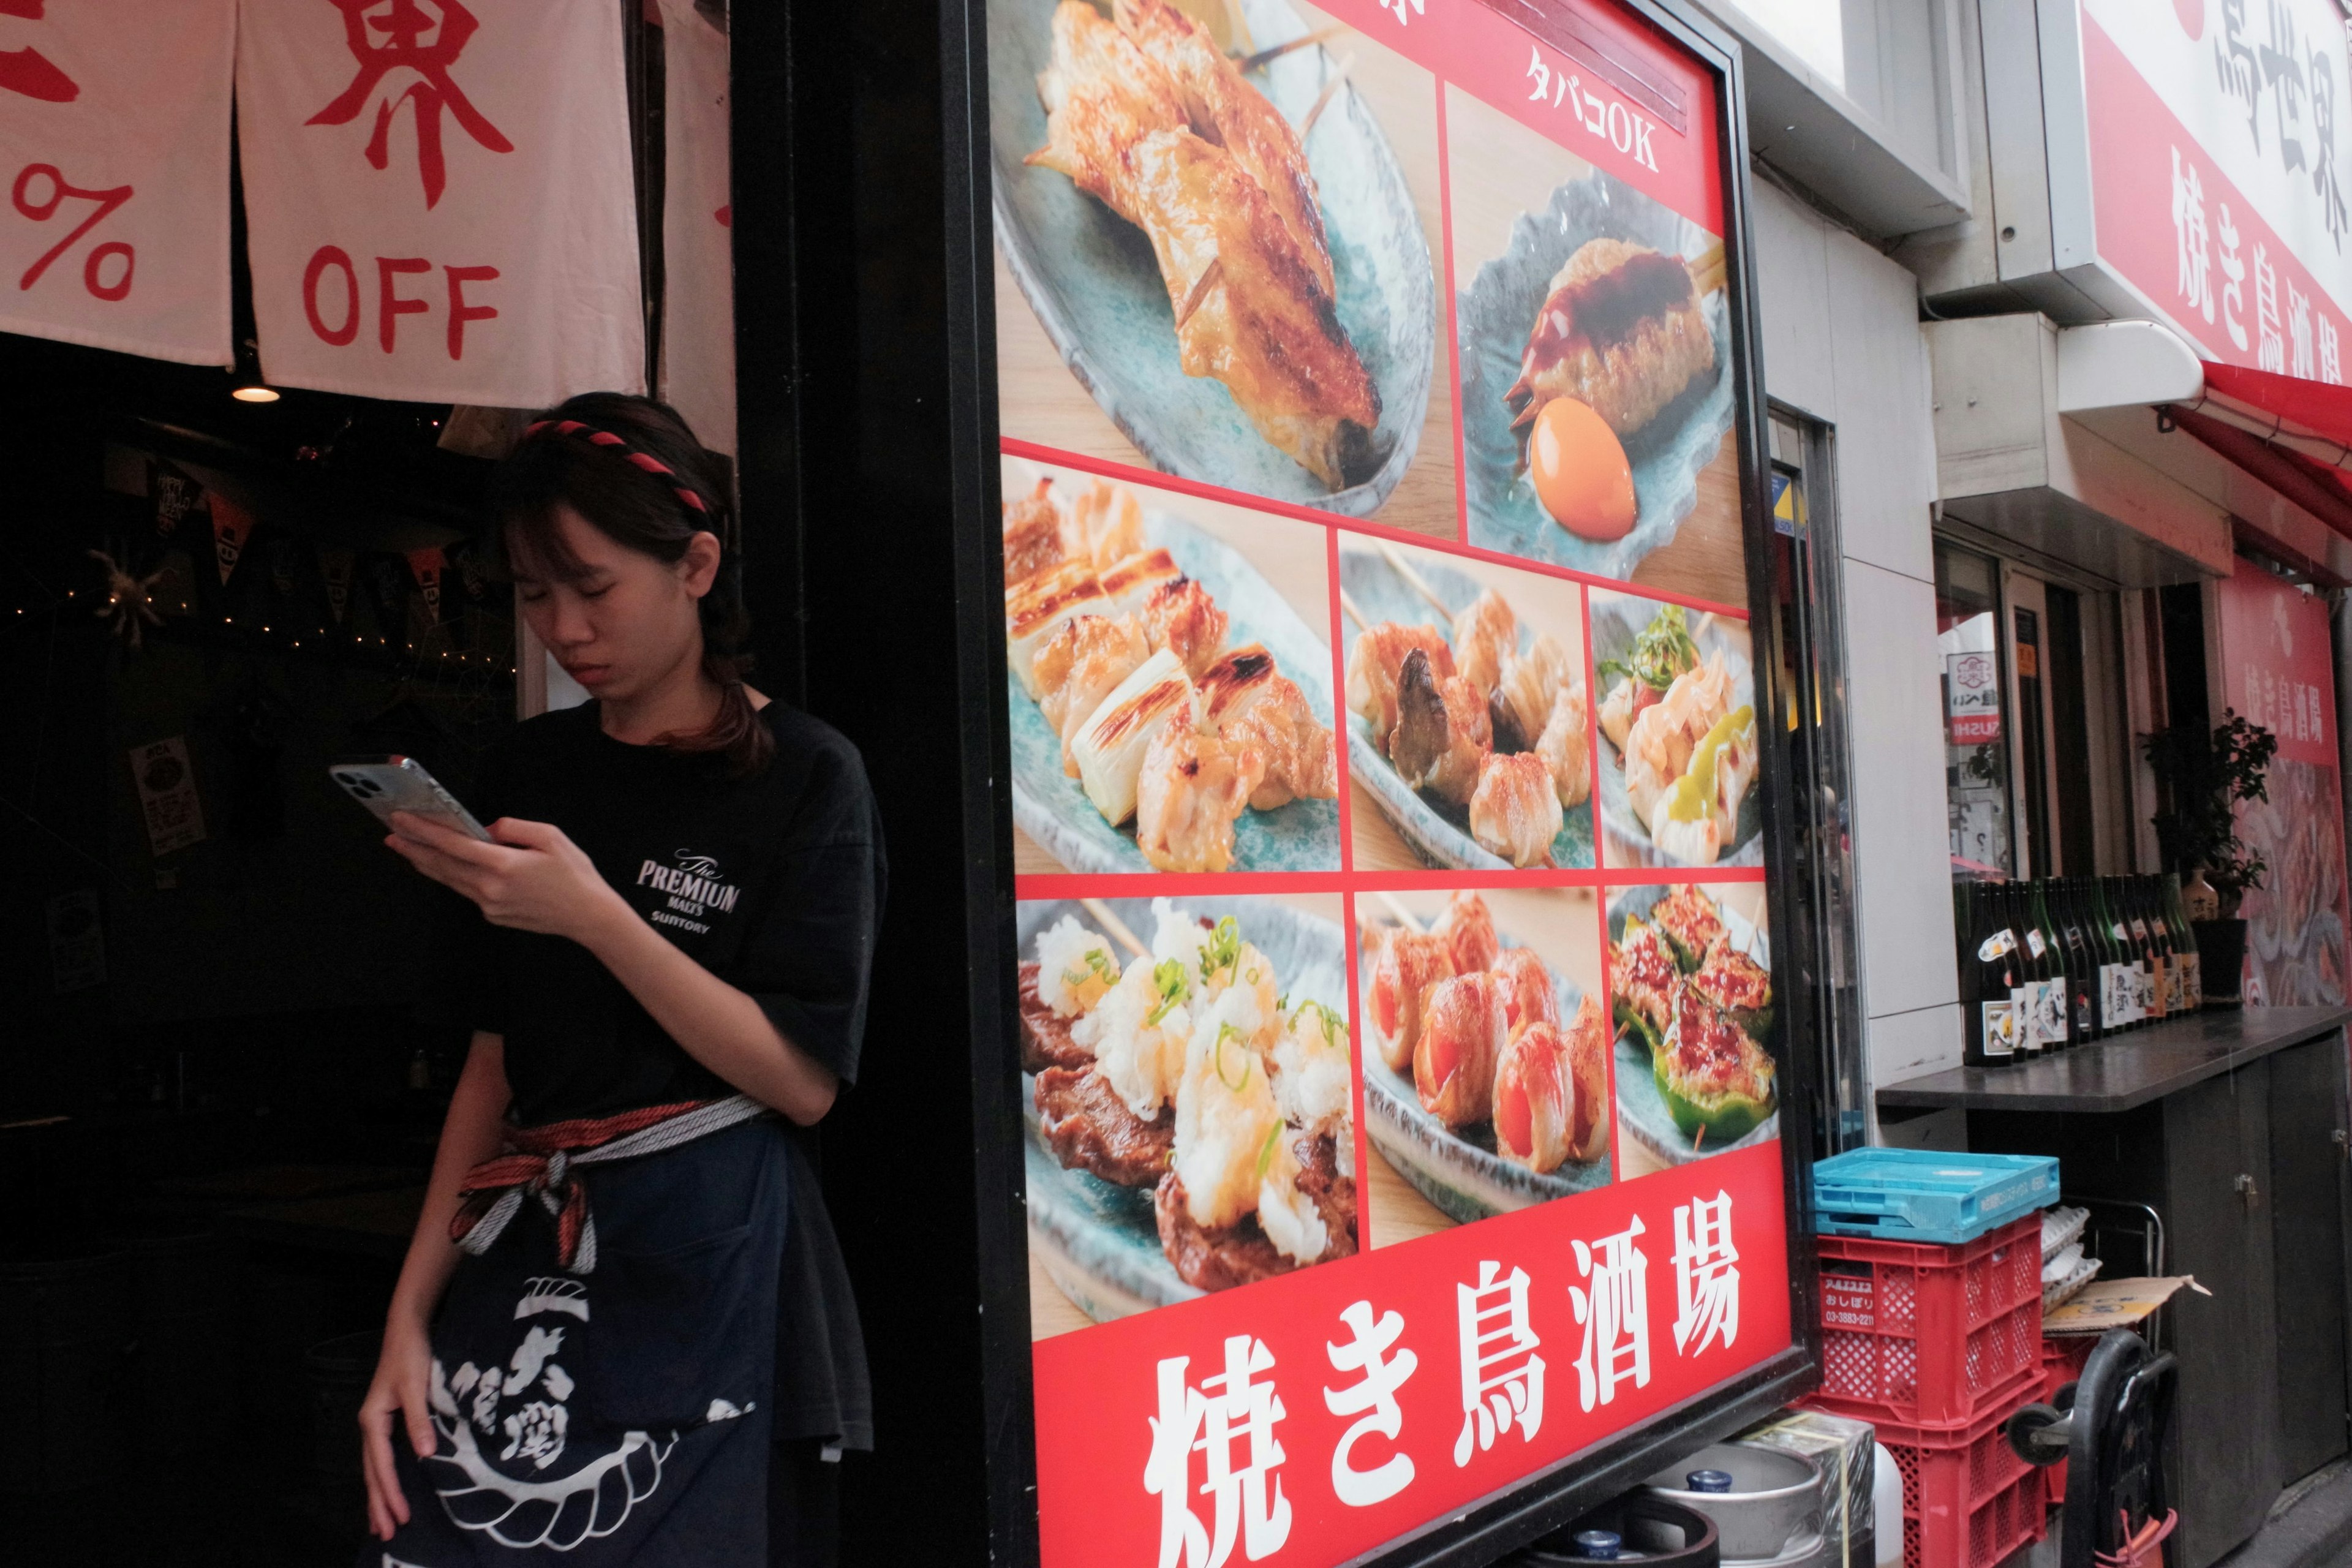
1968 1500
1931 1335
2062 1357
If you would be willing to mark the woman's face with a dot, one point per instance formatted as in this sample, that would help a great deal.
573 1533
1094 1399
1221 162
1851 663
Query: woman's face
627 622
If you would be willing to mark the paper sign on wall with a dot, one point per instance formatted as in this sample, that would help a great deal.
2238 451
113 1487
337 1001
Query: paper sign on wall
114 135
440 198
167 795
77 941
1972 698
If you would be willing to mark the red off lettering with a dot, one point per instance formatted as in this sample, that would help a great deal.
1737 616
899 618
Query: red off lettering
461 312
328 256
391 306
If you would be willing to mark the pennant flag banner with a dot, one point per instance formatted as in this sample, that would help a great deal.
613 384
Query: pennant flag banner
425 566
232 531
698 338
114 139
439 198
336 564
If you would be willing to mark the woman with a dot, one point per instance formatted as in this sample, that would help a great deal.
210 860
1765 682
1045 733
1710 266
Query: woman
664 970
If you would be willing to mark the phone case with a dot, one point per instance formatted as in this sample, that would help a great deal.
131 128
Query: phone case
400 783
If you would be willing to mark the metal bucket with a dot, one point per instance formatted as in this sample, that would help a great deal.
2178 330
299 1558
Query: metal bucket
1656 1533
64 1331
1772 1512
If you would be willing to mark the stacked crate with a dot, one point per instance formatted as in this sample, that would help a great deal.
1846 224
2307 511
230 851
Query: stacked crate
1931 1330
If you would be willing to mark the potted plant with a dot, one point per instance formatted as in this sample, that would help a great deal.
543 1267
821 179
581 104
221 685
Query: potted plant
2204 778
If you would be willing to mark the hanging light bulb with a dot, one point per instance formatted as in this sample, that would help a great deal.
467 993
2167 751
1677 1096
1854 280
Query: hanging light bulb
245 384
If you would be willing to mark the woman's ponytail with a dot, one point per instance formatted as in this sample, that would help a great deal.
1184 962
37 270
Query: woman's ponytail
631 467
736 731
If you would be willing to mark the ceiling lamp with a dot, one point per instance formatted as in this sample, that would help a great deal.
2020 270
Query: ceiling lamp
247 385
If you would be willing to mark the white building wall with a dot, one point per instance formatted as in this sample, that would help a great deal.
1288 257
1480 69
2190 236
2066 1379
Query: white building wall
1841 342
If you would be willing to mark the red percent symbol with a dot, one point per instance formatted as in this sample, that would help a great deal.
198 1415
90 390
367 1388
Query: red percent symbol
42 212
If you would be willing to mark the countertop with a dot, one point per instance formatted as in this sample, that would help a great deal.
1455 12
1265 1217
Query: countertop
370 1224
2127 1072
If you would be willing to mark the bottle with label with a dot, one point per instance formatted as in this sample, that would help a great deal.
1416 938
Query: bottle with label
2143 956
2030 971
2185 940
2103 1022
2146 939
2122 969
2082 970
1987 976
2148 963
2056 1004
2159 927
2032 1037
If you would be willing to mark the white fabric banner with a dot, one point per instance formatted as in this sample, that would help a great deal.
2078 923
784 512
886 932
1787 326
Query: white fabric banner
114 134
697 339
439 199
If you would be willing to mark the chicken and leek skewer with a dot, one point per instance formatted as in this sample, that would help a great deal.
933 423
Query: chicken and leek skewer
1161 721
1187 1072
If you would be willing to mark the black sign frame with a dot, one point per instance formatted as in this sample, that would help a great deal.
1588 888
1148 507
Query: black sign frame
1551 1497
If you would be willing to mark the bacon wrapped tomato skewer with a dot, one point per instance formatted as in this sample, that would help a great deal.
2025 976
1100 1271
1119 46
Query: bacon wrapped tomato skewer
1463 1031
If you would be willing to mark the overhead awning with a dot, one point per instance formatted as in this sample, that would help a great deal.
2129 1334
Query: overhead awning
2295 436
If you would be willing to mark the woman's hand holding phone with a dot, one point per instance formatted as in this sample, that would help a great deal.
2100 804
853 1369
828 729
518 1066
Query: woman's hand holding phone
532 878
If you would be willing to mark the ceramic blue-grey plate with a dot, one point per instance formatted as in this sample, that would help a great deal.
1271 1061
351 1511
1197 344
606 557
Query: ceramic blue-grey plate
1100 1243
1092 280
1642 1113
1438 832
1615 623
1052 807
1458 1169
1494 316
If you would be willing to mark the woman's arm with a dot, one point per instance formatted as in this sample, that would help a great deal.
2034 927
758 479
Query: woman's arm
534 879
469 1135
718 1025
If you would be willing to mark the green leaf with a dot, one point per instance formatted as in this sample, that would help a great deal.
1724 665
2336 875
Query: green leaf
1168 977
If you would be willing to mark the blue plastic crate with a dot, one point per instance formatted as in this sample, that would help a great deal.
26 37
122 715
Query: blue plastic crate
1920 1195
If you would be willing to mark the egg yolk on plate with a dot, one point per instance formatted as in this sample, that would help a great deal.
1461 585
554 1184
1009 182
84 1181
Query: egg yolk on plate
1581 474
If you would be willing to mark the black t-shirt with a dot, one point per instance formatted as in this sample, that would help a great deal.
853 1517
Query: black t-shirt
775 885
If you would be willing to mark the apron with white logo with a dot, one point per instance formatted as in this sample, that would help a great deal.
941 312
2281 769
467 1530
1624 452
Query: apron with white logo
618 1416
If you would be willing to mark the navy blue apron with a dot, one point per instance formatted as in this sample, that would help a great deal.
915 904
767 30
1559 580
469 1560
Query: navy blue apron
620 1417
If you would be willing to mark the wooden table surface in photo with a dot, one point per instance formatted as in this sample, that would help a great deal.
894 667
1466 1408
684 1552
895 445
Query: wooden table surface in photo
1377 844
1039 400
1395 1211
1516 172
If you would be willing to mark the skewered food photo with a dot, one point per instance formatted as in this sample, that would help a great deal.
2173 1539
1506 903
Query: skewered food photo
1595 384
1690 974
1679 759
1189 1082
1486 1047
1470 720
1170 695
1213 257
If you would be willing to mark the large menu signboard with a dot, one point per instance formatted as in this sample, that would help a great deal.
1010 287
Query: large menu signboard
1406 1078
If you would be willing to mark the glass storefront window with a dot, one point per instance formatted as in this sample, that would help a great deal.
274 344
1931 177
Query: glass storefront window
1977 722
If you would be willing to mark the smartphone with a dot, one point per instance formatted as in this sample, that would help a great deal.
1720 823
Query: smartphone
386 785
